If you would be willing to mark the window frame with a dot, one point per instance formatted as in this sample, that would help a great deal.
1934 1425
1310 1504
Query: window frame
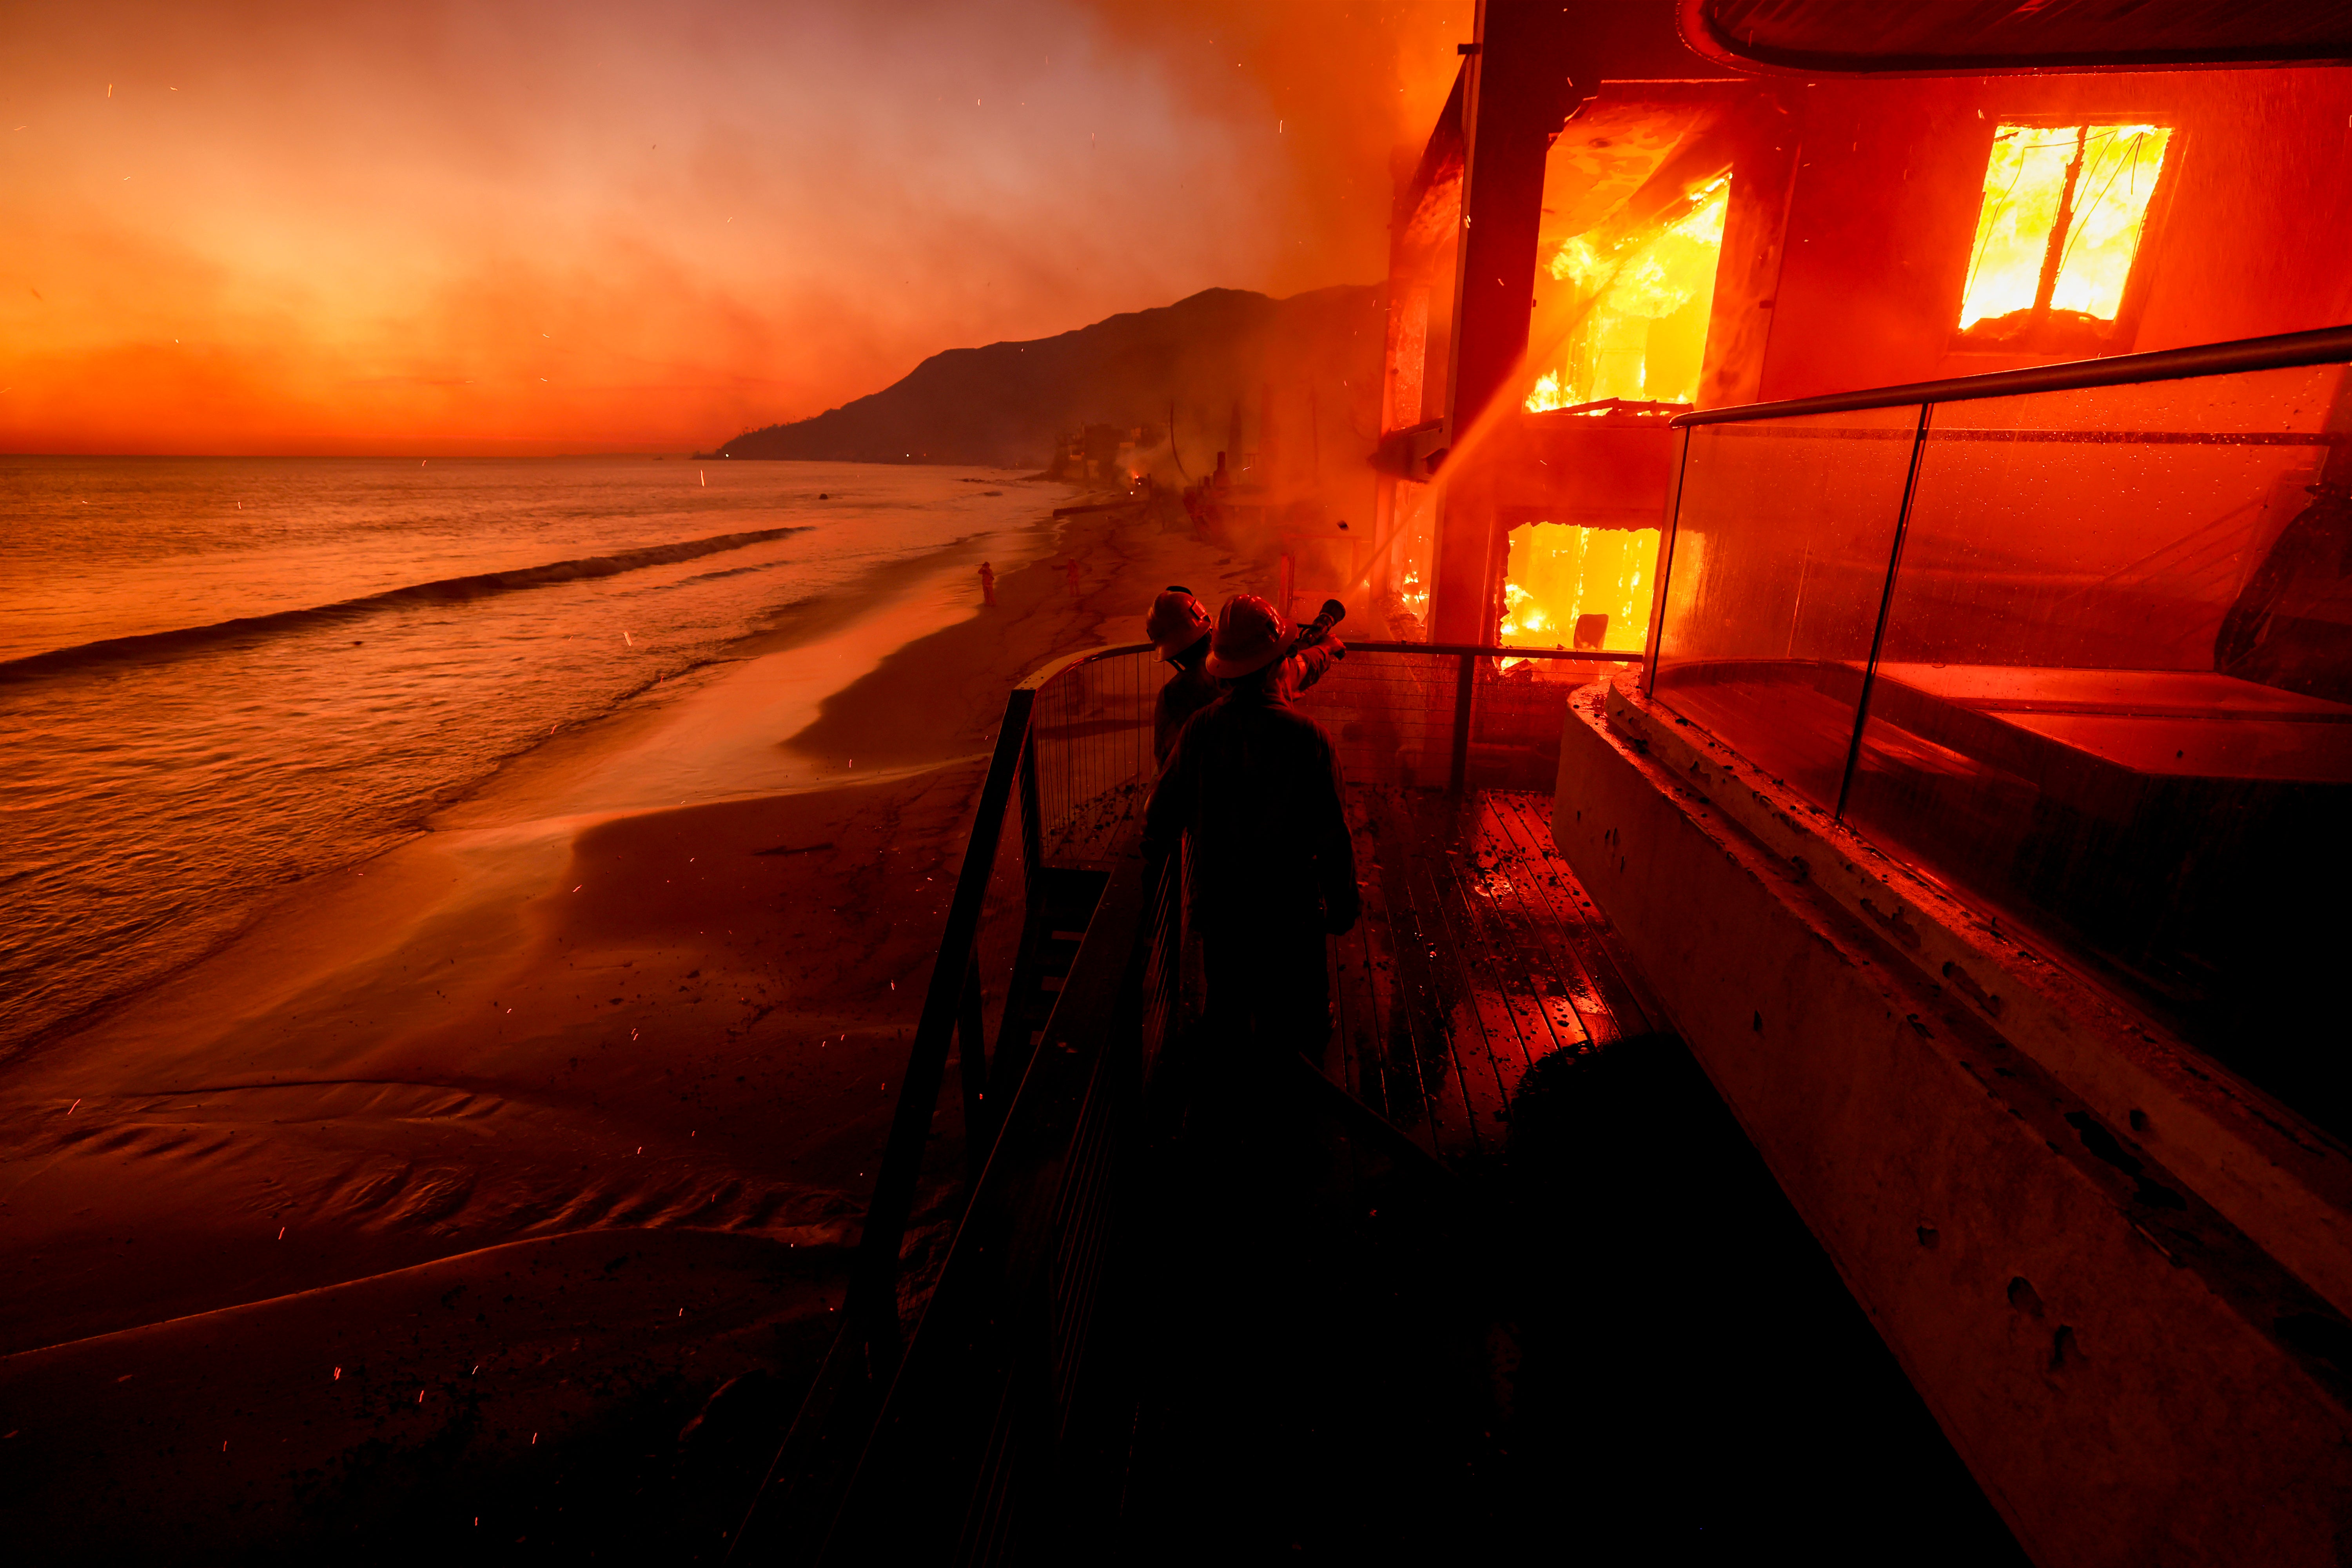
2124 330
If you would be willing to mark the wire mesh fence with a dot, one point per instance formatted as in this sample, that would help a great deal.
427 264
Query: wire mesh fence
1394 710
1091 742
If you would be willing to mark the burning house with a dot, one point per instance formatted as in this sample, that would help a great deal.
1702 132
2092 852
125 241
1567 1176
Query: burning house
1875 478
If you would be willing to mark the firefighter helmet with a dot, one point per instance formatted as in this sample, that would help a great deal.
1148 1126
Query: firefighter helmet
1251 634
1177 621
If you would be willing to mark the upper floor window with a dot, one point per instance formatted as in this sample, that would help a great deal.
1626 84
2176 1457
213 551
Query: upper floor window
2065 208
1634 301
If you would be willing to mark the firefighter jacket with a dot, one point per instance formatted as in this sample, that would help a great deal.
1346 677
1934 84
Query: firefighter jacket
1186 693
1190 690
1257 786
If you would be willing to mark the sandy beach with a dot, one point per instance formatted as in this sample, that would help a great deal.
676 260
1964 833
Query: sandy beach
519 1140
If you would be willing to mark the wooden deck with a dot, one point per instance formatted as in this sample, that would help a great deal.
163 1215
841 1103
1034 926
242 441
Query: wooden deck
1479 953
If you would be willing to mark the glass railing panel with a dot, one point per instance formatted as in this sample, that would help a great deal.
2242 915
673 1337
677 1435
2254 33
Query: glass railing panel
2114 703
1781 544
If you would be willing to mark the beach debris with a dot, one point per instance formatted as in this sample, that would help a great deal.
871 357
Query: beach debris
281 1233
339 1376
70 1110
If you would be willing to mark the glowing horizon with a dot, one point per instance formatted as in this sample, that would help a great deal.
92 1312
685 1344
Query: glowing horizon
525 228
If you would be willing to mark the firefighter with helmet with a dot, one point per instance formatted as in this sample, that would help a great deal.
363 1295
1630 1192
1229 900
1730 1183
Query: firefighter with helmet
1178 627
1179 630
1257 785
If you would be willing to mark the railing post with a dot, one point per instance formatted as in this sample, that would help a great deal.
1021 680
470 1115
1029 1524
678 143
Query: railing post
1886 606
873 1298
1663 576
1465 690
1032 837
971 1067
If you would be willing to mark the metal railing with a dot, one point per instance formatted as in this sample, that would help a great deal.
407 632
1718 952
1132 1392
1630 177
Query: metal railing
1418 714
986 1386
2287 350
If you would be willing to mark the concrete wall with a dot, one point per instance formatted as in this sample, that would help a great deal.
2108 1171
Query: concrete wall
2112 1358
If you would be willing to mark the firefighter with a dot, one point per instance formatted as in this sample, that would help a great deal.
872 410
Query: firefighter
1315 650
1257 784
1178 627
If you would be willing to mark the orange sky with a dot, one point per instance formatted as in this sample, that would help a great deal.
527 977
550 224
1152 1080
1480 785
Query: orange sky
569 226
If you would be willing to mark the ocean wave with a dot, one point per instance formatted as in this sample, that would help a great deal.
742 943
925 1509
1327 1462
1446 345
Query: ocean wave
446 589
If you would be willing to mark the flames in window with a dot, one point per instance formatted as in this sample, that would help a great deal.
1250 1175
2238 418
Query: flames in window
2064 209
1638 310
1574 587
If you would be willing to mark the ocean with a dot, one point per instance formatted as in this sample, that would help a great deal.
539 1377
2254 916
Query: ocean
219 675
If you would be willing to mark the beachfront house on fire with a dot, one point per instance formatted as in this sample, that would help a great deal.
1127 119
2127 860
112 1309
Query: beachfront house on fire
1883 471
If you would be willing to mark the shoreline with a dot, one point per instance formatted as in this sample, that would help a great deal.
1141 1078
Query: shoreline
793 624
653 977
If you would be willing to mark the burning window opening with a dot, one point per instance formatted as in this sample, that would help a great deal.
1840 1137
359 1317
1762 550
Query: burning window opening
1641 307
2065 207
1411 360
1411 558
1568 586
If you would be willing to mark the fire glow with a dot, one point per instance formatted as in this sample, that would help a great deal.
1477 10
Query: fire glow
1572 586
1641 307
2063 210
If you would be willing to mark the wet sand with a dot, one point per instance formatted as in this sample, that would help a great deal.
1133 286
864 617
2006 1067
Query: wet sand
645 995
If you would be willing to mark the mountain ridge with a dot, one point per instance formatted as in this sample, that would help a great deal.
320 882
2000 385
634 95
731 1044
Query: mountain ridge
1007 404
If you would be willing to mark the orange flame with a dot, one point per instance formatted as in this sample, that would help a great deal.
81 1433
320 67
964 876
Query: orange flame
2095 182
1640 304
1568 586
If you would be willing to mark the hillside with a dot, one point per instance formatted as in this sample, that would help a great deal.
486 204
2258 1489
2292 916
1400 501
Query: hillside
1005 404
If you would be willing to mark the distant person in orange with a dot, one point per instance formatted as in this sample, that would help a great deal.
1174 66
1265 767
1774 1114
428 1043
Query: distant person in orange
1255 785
1178 627
1070 572
988 584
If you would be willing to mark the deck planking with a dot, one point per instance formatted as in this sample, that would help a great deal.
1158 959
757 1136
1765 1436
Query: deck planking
1478 954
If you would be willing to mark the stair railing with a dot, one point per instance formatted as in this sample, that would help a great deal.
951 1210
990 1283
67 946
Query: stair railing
1074 750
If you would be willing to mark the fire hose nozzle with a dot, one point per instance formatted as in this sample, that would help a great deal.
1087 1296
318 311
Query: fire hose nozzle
1315 630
